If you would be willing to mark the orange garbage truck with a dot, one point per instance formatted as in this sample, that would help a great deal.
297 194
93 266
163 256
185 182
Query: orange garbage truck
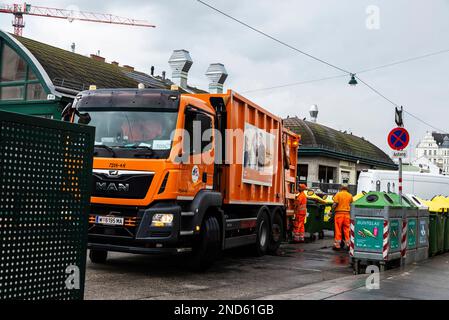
177 173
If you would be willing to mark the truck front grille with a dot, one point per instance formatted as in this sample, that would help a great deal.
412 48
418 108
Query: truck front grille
122 185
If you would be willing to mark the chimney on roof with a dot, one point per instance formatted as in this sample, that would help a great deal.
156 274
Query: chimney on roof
180 62
97 58
217 75
115 63
73 47
163 75
152 70
128 68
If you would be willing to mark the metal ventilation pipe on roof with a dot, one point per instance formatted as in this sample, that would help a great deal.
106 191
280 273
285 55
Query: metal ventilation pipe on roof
180 62
217 75
314 113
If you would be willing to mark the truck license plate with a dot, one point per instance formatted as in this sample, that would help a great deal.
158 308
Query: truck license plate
110 221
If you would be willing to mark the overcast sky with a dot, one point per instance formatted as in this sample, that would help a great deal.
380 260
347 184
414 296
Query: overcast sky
333 30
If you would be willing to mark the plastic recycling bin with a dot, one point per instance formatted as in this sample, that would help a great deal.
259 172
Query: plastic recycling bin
446 232
328 218
436 234
314 220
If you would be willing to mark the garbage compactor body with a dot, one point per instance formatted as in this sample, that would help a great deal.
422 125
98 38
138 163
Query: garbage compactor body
376 229
422 237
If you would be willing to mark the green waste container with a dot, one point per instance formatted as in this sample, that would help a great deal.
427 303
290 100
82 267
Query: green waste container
446 232
314 220
440 236
436 233
433 232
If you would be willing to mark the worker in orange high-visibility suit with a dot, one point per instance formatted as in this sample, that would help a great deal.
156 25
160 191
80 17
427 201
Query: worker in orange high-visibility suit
342 209
300 215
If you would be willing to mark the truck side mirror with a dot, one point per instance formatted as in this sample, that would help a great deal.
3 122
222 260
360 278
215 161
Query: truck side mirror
84 118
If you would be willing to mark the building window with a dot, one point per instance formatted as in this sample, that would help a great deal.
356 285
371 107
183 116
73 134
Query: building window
303 172
35 91
345 177
14 68
425 152
326 174
18 82
11 93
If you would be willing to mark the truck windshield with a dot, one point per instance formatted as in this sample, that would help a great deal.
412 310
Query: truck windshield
149 131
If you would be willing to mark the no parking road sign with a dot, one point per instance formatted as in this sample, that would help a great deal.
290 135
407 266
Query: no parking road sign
398 139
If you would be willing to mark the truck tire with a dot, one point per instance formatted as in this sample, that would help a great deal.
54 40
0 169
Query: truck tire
98 256
207 247
276 234
262 234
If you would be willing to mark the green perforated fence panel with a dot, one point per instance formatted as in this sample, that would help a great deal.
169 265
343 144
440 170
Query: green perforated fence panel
45 181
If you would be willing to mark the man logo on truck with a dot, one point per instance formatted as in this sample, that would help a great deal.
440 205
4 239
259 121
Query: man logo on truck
112 187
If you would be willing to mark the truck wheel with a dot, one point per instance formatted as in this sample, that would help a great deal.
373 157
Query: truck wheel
277 232
98 256
208 246
263 235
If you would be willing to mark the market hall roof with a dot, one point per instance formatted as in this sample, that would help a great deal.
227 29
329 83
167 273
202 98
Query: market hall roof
72 71
317 139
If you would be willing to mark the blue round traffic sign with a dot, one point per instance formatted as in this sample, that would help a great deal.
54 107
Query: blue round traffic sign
398 139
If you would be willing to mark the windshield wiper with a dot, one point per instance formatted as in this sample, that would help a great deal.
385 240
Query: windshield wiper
149 150
114 155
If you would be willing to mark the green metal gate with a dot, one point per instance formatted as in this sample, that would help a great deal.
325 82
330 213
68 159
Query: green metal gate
45 182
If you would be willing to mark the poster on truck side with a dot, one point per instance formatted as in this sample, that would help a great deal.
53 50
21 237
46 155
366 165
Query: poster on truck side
258 156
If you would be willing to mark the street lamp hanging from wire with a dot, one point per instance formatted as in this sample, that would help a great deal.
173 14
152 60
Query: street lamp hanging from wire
353 82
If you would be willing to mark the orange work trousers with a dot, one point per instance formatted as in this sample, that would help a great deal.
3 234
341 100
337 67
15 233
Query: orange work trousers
342 222
298 227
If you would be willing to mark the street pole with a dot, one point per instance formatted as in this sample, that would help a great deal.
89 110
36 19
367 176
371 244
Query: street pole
400 180
400 123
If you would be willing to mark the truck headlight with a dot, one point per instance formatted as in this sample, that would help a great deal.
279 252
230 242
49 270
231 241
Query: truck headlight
161 220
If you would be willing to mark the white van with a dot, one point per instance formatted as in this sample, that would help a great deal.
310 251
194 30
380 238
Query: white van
423 185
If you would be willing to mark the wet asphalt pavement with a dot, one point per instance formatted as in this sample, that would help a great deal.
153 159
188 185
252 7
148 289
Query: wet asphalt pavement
237 275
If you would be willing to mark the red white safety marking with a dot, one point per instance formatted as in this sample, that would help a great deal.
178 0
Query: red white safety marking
386 244
352 243
404 239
